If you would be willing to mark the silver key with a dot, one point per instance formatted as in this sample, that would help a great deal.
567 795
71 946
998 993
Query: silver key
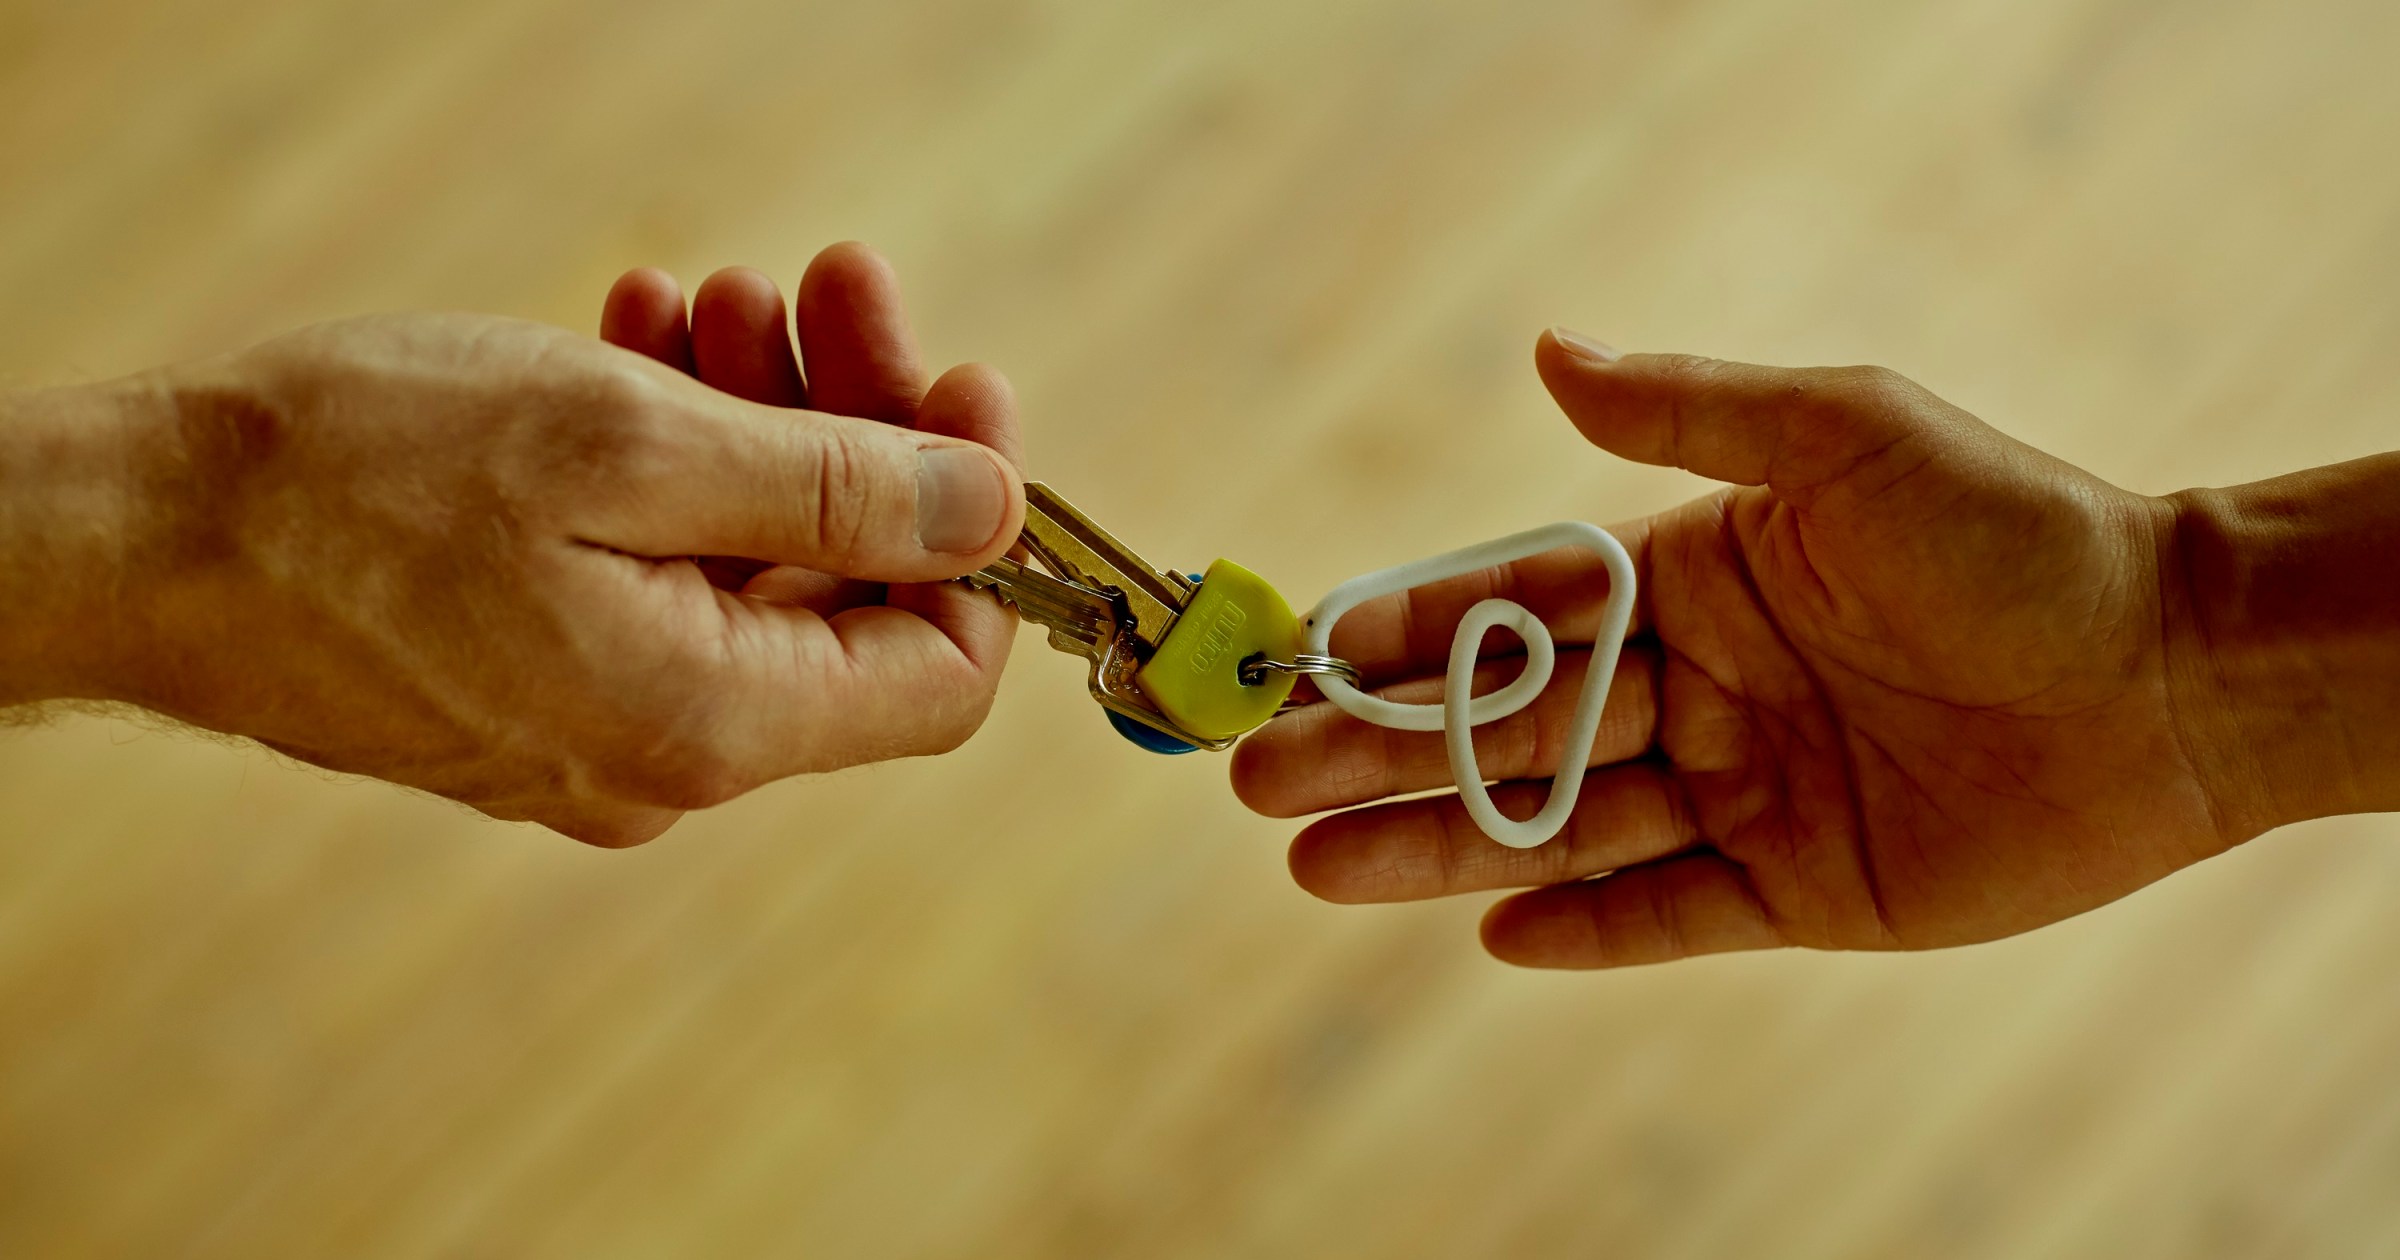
1075 547
1080 620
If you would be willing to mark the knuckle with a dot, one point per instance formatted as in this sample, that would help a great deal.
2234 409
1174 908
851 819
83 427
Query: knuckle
1666 917
1690 369
836 477
1878 390
1521 741
623 412
613 425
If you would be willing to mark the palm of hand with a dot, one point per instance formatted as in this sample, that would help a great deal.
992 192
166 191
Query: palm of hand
1905 684
1931 715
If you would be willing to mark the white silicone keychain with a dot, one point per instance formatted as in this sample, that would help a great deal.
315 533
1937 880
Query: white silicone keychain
1457 715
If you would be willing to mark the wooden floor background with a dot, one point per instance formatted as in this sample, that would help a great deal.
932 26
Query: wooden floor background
1267 275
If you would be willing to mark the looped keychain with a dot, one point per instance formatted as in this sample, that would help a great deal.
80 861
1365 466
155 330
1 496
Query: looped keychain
1182 661
1460 712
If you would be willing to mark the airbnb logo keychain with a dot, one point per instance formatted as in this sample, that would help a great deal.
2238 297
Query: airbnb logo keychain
1183 662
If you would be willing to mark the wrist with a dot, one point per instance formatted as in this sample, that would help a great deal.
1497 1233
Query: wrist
74 517
2282 613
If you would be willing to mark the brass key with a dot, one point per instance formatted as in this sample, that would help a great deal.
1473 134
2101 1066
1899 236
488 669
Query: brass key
1104 603
1076 548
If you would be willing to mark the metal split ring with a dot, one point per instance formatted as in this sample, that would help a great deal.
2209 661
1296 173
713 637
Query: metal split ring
1255 670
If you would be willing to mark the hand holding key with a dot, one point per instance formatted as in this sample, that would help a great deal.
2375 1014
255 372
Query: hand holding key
1179 663
860 358
1907 684
457 552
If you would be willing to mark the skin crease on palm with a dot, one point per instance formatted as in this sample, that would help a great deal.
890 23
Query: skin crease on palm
1907 683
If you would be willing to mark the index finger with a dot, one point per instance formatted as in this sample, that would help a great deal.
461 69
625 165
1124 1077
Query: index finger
804 693
917 674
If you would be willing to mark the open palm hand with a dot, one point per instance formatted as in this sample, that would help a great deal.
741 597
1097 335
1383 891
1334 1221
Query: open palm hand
1907 683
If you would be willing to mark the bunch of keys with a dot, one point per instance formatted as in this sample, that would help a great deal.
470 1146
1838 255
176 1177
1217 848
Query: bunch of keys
1179 663
1182 663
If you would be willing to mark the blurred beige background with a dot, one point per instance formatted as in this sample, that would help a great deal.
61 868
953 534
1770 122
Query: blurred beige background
1267 275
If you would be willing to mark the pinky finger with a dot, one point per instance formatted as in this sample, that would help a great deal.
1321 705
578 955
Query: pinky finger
1698 903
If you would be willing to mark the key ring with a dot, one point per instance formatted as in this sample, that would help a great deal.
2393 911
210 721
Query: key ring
1303 664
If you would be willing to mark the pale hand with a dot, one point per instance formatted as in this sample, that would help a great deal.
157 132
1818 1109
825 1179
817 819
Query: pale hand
475 556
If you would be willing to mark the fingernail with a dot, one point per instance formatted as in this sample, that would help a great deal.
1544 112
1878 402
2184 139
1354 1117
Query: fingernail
1583 347
961 498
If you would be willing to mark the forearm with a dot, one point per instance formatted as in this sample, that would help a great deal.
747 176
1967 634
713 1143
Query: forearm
72 514
2284 609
